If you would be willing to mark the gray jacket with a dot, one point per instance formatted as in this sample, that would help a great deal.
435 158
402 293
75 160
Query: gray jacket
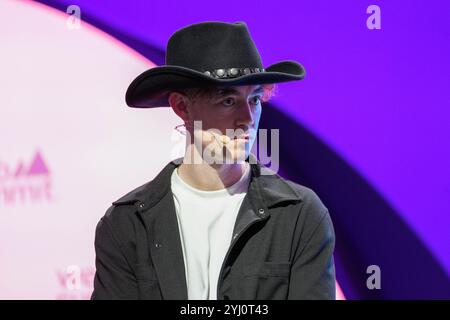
282 246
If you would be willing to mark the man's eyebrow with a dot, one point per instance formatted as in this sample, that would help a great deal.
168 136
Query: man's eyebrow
223 91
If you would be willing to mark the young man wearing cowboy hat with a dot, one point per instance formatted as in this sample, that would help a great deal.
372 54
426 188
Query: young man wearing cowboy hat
208 229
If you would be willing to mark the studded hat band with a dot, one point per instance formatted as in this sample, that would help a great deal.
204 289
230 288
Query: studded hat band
232 72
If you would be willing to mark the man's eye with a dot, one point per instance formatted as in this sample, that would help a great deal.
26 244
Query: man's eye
228 102
256 99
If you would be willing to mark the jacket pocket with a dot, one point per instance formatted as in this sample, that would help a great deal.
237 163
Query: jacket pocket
262 281
268 269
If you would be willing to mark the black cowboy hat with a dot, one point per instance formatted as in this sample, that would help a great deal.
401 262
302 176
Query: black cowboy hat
205 54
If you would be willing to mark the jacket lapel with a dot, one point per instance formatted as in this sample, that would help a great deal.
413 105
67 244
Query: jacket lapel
157 210
166 250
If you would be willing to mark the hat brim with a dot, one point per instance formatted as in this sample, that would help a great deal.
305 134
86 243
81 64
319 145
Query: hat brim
151 88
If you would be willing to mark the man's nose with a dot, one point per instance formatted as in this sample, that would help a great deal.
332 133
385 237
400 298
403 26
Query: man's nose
246 115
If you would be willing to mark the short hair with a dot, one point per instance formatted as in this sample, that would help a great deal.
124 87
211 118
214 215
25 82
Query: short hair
269 91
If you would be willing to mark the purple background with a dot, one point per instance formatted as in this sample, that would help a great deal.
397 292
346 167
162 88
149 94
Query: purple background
377 99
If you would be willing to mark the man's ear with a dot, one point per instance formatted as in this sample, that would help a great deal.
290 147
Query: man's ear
179 102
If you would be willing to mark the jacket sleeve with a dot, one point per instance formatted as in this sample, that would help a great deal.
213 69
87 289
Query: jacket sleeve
312 272
114 279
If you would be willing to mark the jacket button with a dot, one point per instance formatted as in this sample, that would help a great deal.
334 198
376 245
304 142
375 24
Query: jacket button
261 211
158 245
141 205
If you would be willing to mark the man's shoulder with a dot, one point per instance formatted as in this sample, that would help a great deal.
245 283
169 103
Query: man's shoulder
122 212
294 189
125 207
314 215
312 208
133 196
306 194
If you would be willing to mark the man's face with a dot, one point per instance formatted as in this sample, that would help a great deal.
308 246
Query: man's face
236 108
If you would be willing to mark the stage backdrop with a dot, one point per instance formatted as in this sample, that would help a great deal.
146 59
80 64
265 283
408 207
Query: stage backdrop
69 147
367 129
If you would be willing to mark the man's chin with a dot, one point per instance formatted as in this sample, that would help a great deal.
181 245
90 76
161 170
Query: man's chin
238 156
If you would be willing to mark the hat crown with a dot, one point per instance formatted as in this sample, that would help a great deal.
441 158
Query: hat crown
213 45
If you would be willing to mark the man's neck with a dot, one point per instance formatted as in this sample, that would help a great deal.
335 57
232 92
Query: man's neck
211 177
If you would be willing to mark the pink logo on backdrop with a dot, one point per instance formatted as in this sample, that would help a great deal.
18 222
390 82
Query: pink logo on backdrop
75 282
22 182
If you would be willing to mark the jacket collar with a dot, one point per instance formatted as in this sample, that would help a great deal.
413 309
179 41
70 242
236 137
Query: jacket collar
270 188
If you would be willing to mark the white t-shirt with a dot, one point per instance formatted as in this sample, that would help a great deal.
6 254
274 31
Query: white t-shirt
206 220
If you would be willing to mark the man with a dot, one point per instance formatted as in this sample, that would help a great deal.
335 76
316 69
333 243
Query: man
215 224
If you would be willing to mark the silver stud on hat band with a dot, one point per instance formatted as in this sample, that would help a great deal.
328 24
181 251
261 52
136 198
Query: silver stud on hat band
232 72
